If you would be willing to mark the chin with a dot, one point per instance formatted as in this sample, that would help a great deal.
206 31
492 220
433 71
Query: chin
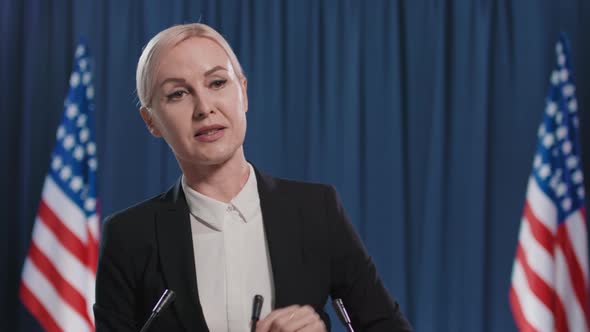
213 159
213 155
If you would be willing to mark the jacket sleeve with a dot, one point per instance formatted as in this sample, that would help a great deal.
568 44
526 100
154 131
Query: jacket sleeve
354 277
115 300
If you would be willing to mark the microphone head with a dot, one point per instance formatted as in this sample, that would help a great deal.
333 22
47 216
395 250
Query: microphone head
257 307
167 297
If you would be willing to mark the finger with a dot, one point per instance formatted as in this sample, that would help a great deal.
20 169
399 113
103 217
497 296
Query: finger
316 326
302 317
280 312
265 324
269 323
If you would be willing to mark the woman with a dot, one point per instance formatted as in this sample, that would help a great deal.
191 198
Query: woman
226 232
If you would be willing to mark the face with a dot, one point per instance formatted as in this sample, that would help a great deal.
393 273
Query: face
199 104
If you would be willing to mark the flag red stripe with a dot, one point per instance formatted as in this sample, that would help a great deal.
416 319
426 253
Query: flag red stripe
65 290
37 309
543 291
537 285
92 252
560 316
521 321
65 236
541 233
574 268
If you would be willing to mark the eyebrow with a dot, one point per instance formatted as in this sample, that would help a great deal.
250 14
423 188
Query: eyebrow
214 69
172 79
182 80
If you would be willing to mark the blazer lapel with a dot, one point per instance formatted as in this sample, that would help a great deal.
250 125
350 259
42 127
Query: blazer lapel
284 238
175 247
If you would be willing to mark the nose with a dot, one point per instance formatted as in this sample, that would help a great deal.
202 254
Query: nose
202 108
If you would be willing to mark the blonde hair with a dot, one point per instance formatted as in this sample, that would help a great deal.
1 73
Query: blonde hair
164 41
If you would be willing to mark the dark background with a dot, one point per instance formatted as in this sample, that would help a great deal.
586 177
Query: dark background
422 113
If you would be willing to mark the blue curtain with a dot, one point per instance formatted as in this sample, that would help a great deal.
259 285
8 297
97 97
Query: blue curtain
422 113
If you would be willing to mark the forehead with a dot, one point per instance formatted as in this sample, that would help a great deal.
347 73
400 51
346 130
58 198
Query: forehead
194 55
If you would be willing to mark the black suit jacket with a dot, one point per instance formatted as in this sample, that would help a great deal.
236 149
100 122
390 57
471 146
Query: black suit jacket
314 253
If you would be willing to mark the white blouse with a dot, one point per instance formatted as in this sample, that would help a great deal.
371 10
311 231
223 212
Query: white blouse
231 256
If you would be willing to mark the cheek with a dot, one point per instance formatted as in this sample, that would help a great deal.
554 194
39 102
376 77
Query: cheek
238 116
173 125
233 100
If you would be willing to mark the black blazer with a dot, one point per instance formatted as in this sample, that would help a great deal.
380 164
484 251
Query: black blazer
314 253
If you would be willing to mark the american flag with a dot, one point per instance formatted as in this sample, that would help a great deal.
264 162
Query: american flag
549 290
57 282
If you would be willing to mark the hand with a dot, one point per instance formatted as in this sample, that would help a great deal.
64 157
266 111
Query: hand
291 319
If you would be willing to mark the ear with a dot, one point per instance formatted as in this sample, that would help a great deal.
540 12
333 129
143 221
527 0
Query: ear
245 92
148 118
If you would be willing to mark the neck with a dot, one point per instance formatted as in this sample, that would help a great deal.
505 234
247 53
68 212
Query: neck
221 182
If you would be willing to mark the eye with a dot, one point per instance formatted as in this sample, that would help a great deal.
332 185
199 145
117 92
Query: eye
176 95
217 84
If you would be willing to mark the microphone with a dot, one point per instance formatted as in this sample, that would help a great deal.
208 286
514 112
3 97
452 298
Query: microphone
342 314
256 309
167 297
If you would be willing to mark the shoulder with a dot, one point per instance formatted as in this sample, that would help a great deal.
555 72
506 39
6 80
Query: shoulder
147 206
134 214
302 187
310 198
138 220
296 190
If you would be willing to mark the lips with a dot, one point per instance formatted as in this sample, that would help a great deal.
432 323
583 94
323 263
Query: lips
210 133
